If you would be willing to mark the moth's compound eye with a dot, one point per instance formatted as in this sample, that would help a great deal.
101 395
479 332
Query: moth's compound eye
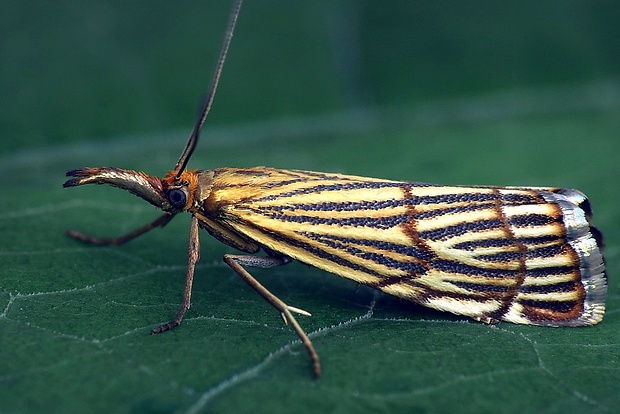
177 197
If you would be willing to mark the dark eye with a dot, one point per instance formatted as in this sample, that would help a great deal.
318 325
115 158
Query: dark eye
177 198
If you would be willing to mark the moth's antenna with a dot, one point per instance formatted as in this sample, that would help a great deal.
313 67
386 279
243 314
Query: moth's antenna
206 107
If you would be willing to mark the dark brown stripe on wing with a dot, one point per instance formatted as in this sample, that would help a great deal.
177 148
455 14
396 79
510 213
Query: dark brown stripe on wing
509 296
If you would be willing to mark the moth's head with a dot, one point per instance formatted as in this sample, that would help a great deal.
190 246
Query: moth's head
179 191
171 194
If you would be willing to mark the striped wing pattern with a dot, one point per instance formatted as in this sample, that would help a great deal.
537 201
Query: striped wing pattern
524 255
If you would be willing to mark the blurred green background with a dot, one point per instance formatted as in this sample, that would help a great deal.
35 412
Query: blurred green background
479 92
95 70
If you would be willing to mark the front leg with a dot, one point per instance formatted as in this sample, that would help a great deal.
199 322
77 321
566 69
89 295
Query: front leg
237 262
99 241
193 256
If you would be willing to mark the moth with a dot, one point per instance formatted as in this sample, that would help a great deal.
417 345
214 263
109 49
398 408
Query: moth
522 255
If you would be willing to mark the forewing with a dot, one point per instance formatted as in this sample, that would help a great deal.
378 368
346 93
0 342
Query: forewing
523 255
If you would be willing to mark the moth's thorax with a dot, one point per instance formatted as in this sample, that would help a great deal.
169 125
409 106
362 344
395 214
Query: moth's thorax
233 186
204 186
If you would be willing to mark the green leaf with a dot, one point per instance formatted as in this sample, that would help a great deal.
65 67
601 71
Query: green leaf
75 319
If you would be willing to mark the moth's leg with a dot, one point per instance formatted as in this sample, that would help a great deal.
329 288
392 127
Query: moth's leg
193 256
237 262
488 319
159 222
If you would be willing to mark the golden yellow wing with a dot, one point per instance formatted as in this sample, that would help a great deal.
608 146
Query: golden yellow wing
524 255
